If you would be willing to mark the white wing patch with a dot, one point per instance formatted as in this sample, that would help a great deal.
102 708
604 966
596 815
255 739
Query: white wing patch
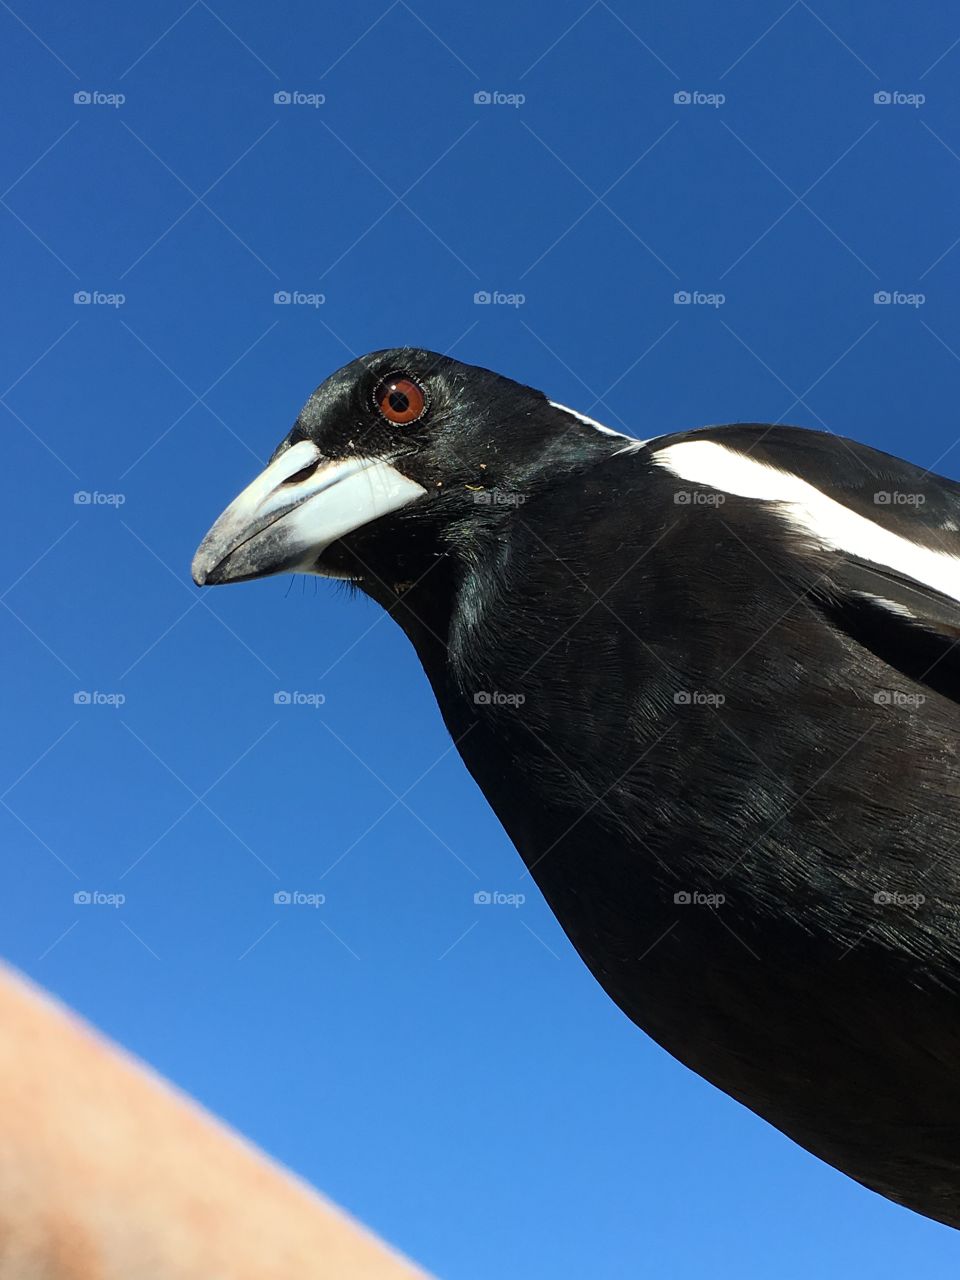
598 426
810 512
892 606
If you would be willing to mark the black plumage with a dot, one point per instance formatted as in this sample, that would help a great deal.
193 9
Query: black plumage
719 724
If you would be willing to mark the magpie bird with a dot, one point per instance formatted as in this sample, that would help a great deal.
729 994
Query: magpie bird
709 683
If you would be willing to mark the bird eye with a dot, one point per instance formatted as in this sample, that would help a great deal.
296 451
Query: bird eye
400 399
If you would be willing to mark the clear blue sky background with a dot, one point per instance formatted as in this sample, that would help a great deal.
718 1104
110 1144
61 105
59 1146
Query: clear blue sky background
449 1072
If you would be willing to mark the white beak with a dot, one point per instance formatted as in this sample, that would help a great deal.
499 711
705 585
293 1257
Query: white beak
294 510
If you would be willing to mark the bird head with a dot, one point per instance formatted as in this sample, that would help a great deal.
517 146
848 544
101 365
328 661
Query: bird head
395 460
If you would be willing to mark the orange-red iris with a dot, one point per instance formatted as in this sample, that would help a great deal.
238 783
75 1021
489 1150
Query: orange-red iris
400 399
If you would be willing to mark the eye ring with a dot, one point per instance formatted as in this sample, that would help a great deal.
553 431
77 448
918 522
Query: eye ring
400 399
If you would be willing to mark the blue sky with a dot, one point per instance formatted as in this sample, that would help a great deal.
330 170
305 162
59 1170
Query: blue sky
448 1071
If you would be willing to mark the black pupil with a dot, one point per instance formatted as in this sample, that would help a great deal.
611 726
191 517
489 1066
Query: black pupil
399 401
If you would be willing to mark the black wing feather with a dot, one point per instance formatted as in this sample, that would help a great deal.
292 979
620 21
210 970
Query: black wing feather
911 626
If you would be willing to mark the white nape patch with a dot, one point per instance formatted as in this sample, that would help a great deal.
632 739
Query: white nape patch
632 441
811 512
